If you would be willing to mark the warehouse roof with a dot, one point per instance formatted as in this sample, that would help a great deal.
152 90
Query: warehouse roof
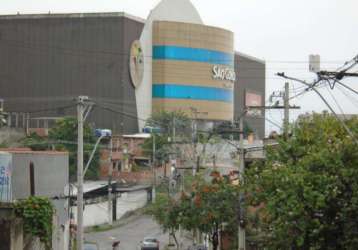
73 15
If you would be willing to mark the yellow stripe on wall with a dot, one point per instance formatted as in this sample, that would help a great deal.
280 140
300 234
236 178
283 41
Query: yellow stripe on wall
207 110
192 36
186 73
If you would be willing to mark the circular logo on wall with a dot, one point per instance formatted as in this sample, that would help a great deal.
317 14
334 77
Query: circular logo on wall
136 63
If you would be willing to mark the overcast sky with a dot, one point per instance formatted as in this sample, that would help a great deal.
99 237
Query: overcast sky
282 32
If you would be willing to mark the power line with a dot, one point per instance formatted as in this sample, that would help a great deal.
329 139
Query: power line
335 100
273 123
313 85
81 51
347 87
352 99
45 110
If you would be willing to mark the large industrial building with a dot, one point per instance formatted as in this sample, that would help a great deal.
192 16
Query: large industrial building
129 66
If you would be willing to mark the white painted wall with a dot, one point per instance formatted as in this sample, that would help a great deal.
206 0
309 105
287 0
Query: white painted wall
97 214
166 10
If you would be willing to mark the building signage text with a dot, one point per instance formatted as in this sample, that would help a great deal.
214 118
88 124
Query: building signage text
224 73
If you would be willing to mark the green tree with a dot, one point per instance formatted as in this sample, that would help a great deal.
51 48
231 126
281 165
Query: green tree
223 127
35 142
306 191
63 137
211 208
166 121
208 207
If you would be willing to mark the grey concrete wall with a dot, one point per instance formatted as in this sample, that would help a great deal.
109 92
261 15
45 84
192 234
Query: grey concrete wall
251 75
47 60
51 174
5 234
11 234
51 178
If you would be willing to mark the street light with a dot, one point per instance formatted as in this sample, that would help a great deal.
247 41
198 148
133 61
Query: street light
102 134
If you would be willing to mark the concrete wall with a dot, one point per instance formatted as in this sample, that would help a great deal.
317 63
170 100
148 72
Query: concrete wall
11 234
51 178
46 60
97 214
51 173
251 76
5 235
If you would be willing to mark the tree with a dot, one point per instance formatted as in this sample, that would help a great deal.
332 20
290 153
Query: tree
307 188
66 130
63 137
227 126
165 121
165 211
209 208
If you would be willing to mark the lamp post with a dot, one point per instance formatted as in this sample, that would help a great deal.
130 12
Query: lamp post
106 133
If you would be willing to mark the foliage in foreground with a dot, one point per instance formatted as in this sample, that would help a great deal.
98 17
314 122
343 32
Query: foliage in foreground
37 213
208 207
307 190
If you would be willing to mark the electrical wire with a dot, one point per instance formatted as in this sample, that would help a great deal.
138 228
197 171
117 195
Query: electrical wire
352 99
313 86
273 123
335 100
347 87
82 51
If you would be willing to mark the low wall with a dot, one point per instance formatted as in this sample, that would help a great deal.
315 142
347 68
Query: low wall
97 214
141 177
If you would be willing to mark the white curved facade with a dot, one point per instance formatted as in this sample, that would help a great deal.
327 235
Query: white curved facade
166 10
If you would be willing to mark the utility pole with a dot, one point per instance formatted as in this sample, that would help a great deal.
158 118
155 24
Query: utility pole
286 98
285 95
241 231
194 138
80 111
110 173
153 168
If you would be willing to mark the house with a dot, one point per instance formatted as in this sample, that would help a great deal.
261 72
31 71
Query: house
25 173
126 153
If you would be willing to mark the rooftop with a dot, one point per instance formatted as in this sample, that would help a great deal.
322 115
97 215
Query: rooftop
72 15
250 57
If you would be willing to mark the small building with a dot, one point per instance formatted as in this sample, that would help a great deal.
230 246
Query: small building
25 173
127 152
